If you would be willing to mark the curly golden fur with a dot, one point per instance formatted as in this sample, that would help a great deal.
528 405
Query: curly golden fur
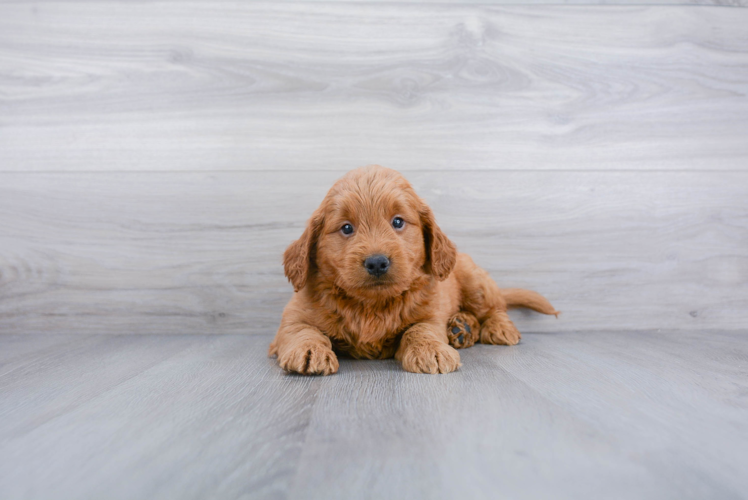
408 312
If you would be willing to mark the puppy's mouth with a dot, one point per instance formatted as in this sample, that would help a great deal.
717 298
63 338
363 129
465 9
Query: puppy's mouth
379 284
376 288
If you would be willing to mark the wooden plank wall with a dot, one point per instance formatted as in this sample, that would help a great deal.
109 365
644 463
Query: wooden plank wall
156 158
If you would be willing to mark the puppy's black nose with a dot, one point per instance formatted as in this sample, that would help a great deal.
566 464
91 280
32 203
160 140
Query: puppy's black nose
377 264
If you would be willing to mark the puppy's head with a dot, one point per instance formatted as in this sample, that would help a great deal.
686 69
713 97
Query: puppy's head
372 237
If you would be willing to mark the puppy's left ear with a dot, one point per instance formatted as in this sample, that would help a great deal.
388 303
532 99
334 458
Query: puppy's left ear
297 259
441 253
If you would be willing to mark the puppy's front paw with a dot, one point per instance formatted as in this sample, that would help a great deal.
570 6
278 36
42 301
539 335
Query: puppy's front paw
499 329
462 330
309 358
430 357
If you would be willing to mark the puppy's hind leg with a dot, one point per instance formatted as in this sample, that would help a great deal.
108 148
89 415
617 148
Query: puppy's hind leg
463 330
497 328
482 298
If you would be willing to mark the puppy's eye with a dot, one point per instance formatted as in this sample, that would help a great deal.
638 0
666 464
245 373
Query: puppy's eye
347 229
398 222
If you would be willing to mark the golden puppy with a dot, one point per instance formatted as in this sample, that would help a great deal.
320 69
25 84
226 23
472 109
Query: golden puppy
374 276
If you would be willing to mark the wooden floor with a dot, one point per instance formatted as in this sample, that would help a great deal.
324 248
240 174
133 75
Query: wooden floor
157 157
573 415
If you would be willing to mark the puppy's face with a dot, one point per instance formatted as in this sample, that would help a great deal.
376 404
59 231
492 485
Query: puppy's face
372 237
372 242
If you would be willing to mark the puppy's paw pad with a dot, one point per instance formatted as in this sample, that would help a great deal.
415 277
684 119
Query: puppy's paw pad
309 359
462 330
433 357
499 329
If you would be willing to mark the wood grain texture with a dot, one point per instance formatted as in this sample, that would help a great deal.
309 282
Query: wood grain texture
246 86
201 253
504 427
618 415
721 3
217 407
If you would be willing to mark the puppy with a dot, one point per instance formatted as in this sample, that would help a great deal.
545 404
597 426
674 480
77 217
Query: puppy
375 277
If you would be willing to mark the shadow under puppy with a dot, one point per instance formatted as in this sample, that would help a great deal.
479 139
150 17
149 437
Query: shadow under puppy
374 276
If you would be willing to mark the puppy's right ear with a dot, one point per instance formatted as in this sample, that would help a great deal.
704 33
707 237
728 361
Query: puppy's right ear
297 259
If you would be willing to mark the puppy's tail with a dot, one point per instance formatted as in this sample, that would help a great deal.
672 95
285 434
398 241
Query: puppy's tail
517 297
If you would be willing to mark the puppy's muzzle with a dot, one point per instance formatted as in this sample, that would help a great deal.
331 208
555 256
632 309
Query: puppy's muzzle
377 265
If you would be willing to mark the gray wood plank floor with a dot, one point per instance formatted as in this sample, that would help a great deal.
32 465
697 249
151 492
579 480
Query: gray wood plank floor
573 415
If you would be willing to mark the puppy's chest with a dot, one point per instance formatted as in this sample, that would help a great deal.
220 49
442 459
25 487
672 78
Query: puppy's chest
369 336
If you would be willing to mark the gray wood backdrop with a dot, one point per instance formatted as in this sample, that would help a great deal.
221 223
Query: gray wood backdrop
157 157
